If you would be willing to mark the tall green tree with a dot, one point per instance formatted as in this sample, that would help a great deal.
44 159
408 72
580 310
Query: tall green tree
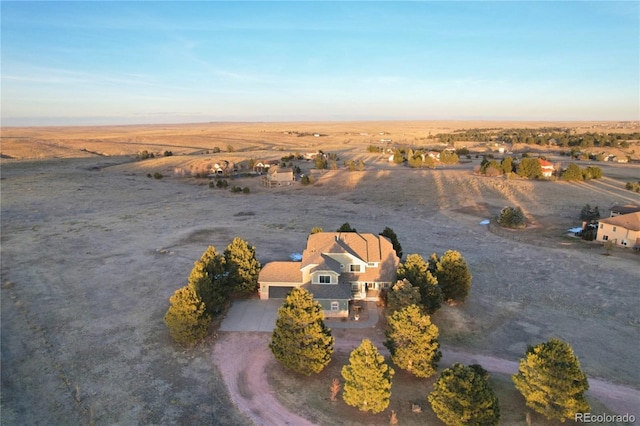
506 165
242 267
300 340
402 294
416 270
412 341
208 280
572 172
530 168
462 396
551 381
367 379
186 318
453 276
391 235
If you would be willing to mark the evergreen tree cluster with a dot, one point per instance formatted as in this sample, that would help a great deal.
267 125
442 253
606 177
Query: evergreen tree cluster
573 172
444 278
214 279
589 214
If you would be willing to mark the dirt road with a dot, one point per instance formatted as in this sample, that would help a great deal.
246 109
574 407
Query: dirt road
244 359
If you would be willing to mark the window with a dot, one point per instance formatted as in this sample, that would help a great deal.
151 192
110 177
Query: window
335 306
602 226
605 238
614 229
325 279
355 286
355 268
372 264
386 285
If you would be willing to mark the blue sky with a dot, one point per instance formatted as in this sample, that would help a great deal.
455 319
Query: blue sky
164 62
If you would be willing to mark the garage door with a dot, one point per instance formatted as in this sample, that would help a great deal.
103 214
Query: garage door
276 292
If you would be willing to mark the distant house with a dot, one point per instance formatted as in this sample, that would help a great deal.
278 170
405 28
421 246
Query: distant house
623 230
278 176
336 267
617 210
261 166
547 168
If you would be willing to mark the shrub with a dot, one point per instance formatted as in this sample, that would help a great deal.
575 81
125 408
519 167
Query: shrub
305 180
512 217
168 153
633 186
222 183
157 175
149 175
235 189
211 184
246 190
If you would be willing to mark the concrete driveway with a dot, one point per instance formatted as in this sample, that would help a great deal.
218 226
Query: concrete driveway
251 315
260 315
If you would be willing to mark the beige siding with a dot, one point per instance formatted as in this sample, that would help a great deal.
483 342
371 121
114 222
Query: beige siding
618 234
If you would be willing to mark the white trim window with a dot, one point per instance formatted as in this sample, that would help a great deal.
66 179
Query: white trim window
355 268
335 306
324 279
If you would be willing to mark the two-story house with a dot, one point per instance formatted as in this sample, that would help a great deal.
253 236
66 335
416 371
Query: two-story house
336 267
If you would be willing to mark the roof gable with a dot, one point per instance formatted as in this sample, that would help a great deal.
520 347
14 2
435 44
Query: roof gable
630 221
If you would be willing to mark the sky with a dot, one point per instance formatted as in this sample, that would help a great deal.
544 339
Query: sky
89 63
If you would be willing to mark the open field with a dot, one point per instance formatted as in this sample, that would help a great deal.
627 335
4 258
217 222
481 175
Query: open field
91 250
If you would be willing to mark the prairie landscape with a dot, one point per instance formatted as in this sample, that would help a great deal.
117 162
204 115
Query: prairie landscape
92 248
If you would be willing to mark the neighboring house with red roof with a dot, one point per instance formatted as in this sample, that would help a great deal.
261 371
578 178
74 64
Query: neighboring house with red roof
336 267
547 168
623 230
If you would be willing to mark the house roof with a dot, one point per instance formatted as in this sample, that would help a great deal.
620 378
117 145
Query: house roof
545 163
281 272
630 221
366 247
627 208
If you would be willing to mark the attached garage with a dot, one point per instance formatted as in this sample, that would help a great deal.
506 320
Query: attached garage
277 279
276 292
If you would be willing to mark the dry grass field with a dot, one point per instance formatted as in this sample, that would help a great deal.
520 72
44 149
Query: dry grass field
91 250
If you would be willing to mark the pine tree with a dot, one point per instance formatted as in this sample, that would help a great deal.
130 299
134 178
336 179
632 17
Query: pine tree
416 270
453 276
242 267
301 341
208 280
402 294
506 165
345 227
389 233
551 381
186 317
462 396
367 379
412 341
